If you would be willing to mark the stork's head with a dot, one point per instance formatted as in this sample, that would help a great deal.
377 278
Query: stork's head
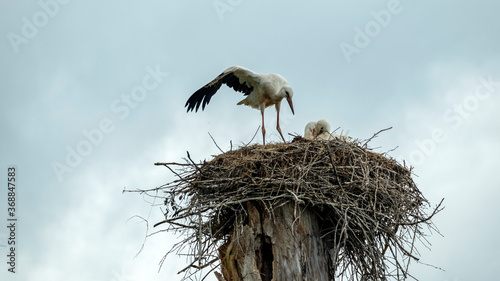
310 131
287 93
323 126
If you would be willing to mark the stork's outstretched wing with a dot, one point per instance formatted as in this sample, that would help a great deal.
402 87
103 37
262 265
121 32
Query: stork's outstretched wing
239 78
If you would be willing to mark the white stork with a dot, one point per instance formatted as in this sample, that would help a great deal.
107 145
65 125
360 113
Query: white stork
321 130
262 91
310 131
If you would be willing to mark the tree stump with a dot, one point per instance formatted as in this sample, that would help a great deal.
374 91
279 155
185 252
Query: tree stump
279 244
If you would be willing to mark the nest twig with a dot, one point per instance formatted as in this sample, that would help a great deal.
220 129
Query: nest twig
371 209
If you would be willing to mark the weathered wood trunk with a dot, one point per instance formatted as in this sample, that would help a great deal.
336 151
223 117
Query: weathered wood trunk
284 245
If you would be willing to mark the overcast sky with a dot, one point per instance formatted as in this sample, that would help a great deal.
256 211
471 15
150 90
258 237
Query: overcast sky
93 94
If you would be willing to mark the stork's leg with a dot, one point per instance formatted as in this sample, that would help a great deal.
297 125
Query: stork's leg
278 126
263 129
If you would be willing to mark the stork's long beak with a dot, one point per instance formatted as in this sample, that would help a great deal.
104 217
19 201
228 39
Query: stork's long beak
317 134
290 103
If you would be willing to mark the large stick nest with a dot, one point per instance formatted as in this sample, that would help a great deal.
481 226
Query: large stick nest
371 210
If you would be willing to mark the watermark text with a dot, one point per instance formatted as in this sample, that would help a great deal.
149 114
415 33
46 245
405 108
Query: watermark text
120 107
31 26
11 218
454 118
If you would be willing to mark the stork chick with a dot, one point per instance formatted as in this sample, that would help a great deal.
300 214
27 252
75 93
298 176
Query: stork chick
310 131
323 130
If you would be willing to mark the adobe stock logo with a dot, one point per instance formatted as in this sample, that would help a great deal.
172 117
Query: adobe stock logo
363 36
454 118
222 7
121 107
124 274
30 27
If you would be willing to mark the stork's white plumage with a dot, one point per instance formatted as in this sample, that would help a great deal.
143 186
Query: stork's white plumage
321 130
345 137
310 131
262 91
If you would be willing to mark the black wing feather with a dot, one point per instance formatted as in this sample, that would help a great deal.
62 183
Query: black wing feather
203 95
234 82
